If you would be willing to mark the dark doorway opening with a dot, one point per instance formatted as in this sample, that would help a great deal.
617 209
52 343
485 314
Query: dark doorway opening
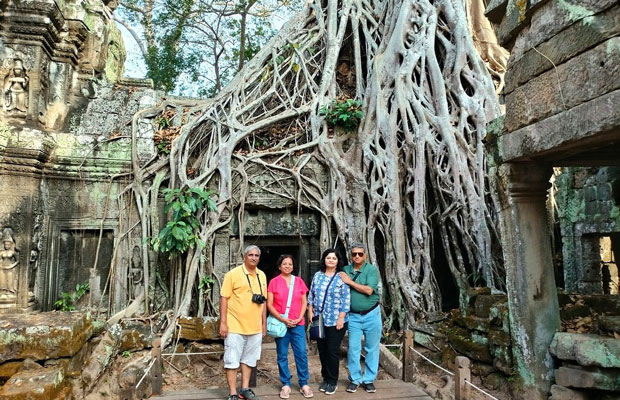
269 256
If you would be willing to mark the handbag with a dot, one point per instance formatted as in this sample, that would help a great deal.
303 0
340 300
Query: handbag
317 328
275 327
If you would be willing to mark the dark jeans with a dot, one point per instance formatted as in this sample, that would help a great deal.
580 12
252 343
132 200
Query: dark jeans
329 353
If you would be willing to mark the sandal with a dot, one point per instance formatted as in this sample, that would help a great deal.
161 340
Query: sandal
306 391
285 392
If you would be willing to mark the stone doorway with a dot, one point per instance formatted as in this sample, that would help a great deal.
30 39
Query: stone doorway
269 257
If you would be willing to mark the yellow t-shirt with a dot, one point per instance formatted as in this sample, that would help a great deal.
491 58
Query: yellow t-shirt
244 316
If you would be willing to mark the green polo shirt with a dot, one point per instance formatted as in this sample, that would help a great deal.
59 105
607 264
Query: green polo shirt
368 276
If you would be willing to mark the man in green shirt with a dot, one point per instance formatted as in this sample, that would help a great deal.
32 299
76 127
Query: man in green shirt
364 319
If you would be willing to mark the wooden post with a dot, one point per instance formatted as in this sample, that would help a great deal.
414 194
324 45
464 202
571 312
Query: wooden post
408 364
462 391
156 369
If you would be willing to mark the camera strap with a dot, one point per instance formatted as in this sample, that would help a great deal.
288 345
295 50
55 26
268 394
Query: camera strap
250 285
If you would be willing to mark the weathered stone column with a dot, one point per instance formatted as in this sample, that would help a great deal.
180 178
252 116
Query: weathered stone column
532 294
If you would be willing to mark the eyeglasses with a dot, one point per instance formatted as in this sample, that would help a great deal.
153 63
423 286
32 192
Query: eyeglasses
357 254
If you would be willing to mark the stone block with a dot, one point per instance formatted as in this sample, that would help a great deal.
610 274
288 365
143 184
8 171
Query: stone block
215 350
573 311
603 304
206 328
38 384
590 193
135 336
587 350
590 378
609 323
498 337
603 192
563 393
101 357
526 63
563 132
476 323
597 71
483 305
464 343
8 369
43 336
499 316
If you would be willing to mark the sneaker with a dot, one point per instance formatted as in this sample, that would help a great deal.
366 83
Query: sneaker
352 387
233 397
370 387
322 387
330 389
247 393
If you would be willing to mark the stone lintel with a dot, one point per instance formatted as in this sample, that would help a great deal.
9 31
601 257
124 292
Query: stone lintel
597 71
583 35
587 126
206 328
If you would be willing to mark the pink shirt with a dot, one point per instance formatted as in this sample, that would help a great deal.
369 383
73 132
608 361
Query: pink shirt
279 288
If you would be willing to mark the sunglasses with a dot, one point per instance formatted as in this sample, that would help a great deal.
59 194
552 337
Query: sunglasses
357 254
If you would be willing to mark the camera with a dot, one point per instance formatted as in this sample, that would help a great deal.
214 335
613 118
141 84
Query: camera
258 298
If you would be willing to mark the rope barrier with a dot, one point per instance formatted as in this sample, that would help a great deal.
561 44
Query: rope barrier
451 373
146 372
192 354
430 361
477 388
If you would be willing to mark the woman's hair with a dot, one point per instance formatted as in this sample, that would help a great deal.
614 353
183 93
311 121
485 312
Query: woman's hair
284 257
325 254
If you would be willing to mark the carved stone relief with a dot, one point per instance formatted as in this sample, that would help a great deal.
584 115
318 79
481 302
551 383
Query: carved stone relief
15 89
9 261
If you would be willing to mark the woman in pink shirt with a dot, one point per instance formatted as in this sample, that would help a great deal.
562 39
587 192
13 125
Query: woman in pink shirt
277 297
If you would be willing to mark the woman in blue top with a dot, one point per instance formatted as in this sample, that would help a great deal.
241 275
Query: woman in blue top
330 296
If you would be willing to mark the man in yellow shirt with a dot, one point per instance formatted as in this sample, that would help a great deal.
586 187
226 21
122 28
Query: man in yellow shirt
243 321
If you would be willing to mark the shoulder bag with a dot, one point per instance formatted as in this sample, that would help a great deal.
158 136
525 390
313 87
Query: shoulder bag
275 327
317 329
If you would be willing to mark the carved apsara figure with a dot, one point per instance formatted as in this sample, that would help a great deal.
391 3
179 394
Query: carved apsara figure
15 89
8 263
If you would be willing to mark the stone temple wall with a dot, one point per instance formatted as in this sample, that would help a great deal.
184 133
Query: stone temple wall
588 201
65 150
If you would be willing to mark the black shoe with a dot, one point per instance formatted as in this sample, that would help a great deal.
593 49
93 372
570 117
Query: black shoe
322 387
247 393
370 388
352 387
233 397
330 389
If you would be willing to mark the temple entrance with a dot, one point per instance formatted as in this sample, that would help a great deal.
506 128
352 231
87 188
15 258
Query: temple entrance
269 257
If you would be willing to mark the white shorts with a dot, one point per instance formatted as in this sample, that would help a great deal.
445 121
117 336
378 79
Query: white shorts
243 349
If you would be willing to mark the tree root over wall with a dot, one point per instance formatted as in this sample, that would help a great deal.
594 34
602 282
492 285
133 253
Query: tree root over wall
414 165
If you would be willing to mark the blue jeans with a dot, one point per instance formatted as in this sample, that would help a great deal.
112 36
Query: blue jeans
370 326
297 338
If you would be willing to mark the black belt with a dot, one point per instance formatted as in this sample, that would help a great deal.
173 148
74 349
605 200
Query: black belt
367 311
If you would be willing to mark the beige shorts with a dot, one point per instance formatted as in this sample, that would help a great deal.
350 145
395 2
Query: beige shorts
244 349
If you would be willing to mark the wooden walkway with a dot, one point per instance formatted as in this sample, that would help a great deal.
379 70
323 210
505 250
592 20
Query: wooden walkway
387 389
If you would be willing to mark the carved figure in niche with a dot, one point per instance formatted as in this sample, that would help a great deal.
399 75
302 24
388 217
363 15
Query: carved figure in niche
136 273
16 89
9 259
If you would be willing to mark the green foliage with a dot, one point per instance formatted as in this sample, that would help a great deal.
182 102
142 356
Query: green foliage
345 114
67 300
181 232
163 147
162 121
206 282
126 354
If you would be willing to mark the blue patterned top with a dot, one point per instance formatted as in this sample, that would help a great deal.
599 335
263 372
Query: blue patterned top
338 298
